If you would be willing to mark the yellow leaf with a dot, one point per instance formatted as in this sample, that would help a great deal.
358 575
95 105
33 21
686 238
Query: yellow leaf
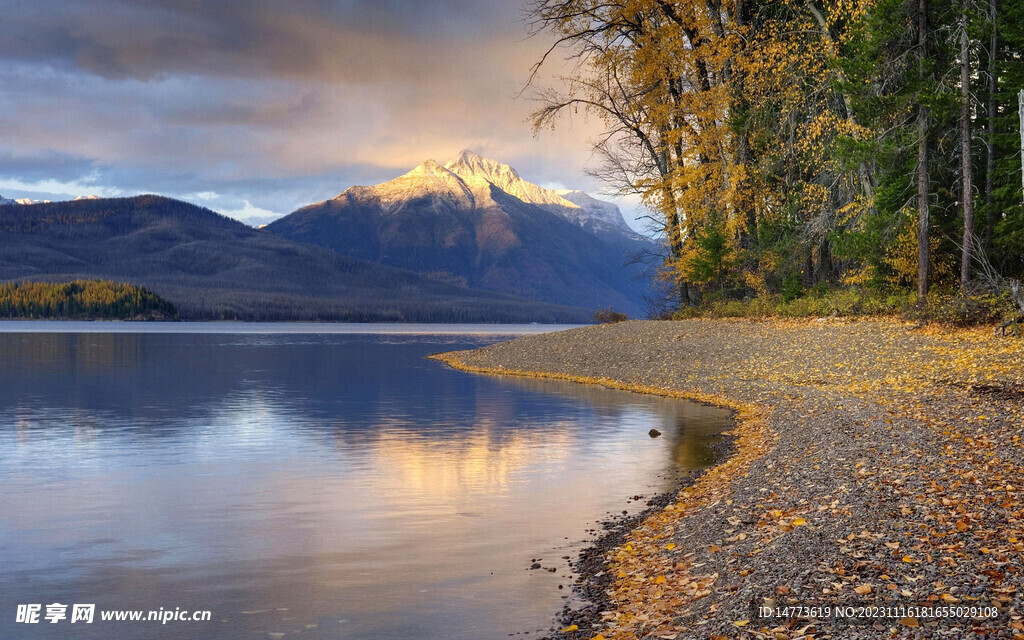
863 589
571 627
741 623
909 622
598 637
962 526
670 546
659 580
799 522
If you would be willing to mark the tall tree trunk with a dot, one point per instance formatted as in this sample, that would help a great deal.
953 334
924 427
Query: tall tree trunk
1020 113
990 126
967 194
922 160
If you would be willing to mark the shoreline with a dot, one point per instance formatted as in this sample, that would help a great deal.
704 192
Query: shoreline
746 440
846 487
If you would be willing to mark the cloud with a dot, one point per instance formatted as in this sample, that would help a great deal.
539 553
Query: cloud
272 103
355 41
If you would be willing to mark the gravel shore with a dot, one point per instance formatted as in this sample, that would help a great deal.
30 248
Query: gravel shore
875 490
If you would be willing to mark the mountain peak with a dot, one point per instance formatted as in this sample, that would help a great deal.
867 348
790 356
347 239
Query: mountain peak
469 177
472 165
428 179
601 212
428 166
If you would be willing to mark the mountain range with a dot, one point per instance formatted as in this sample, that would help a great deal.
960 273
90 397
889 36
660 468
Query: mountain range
213 267
475 221
467 241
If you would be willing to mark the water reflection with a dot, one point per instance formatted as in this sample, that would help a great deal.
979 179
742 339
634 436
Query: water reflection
331 486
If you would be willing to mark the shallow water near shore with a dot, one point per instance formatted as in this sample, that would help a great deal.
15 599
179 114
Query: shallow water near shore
310 481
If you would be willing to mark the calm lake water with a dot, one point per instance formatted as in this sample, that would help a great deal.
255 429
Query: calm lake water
307 481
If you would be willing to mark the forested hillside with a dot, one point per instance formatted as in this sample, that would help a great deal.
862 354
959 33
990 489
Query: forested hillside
799 146
82 299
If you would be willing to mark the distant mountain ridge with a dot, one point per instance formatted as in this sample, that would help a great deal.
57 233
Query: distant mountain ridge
4 200
476 220
211 266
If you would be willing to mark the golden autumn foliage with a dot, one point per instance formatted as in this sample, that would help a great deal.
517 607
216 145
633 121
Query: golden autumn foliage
791 123
81 299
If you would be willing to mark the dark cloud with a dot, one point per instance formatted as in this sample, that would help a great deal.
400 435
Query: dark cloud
45 164
329 41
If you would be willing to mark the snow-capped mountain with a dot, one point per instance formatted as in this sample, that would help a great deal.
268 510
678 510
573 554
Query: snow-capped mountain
469 173
475 169
476 220
211 266
597 213
573 205
4 200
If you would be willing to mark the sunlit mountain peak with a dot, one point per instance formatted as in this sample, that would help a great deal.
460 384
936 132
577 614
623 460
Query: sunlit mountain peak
474 168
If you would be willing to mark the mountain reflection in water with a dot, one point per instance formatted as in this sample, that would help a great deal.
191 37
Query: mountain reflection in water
327 486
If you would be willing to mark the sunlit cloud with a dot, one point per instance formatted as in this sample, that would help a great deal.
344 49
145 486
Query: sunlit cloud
267 103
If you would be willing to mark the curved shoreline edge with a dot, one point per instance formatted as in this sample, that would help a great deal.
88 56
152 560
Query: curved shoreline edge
752 438
877 465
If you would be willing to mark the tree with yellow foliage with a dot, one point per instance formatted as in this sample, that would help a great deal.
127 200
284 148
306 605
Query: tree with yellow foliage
806 135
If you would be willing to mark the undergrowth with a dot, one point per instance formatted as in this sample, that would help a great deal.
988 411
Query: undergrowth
947 307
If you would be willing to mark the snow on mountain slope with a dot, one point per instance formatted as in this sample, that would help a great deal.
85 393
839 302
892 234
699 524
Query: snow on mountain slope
473 168
428 180
4 200
597 210
477 221
576 206
464 183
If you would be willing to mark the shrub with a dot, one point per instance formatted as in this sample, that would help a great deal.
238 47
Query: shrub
605 316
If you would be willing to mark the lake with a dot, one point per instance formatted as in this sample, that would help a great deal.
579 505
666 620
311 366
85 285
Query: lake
308 481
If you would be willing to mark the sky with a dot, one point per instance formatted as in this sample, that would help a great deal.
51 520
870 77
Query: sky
256 108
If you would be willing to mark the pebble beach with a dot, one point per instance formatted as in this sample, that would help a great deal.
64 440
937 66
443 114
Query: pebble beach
873 490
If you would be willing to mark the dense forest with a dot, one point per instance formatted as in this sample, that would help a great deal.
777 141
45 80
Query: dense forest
82 299
796 148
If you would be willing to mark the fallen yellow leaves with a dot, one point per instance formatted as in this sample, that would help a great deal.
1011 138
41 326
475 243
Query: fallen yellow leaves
951 486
